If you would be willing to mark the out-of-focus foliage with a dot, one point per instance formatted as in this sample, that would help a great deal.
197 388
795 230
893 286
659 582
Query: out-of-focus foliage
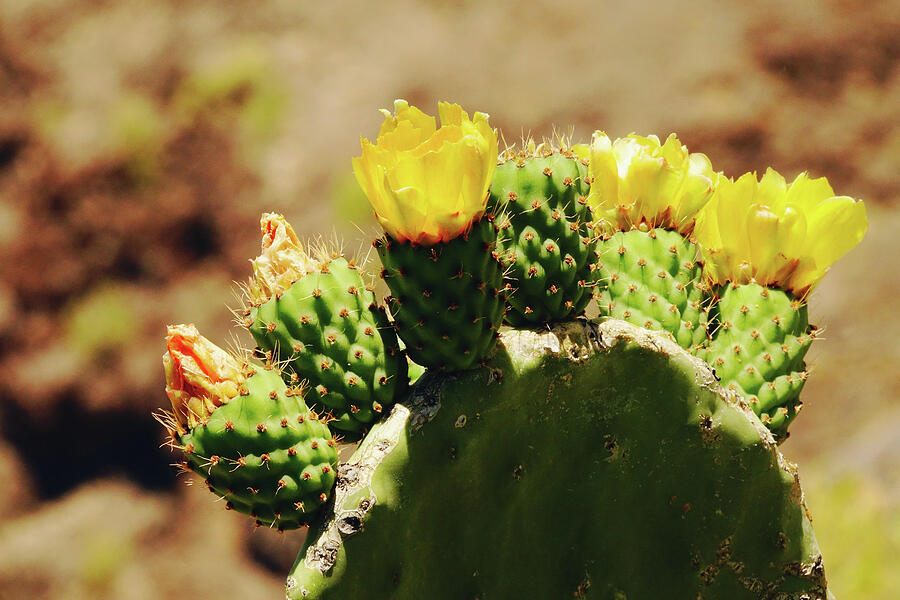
857 524
104 320
242 81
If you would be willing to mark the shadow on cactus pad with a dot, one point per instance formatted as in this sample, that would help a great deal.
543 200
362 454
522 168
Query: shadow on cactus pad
588 461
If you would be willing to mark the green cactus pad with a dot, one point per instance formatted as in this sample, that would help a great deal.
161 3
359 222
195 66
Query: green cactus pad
266 453
447 299
544 236
584 462
327 328
761 337
652 279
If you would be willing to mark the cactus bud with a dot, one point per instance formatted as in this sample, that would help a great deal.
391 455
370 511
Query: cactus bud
200 376
282 260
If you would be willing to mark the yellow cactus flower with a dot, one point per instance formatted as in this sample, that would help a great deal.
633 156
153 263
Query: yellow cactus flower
200 376
776 234
636 181
428 185
282 260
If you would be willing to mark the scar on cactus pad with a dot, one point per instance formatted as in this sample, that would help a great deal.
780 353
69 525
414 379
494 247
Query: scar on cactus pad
253 439
319 319
645 196
429 188
545 237
766 244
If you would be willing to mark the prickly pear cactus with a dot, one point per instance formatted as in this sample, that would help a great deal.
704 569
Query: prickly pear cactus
321 320
645 197
584 462
545 238
653 279
429 189
766 244
447 299
586 459
251 437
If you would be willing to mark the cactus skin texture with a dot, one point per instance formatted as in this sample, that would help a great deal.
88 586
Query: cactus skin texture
653 279
252 437
447 299
272 459
328 329
606 447
544 235
761 338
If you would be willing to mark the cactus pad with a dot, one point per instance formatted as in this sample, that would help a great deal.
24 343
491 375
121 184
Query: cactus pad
653 279
271 459
583 462
253 438
446 300
327 328
544 235
762 335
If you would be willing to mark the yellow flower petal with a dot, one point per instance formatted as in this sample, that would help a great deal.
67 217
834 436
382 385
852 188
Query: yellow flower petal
428 184
636 181
777 234
414 125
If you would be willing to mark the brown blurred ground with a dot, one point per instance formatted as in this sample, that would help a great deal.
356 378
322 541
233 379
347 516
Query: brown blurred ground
139 142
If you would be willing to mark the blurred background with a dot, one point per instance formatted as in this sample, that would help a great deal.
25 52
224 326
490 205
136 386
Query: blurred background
139 141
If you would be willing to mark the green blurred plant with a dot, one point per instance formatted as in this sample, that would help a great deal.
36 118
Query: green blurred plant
138 129
101 321
103 556
858 526
241 83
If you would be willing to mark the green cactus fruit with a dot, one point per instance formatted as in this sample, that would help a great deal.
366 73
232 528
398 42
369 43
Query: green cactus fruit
544 237
586 462
250 435
446 299
761 337
325 326
653 279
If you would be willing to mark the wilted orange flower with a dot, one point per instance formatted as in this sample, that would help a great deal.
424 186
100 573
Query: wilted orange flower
200 376
282 260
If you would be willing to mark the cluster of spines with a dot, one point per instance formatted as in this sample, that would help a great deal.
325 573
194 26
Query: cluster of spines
544 230
653 279
327 328
448 314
